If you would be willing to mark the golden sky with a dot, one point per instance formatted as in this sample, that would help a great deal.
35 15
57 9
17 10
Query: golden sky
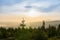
28 17
30 10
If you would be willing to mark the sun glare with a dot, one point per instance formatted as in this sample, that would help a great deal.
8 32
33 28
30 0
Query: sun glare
33 13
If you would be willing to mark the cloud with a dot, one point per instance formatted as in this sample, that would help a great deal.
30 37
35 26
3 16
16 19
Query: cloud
45 9
24 6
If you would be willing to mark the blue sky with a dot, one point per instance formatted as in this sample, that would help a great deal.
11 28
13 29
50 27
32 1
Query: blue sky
41 5
31 7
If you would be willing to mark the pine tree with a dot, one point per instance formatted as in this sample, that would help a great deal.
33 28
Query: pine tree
43 26
22 23
58 30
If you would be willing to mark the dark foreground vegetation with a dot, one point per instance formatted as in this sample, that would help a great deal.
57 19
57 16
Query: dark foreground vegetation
40 33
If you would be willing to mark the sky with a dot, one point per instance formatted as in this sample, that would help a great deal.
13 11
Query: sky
31 10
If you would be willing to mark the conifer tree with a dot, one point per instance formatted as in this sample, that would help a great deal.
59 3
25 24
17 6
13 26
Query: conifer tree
43 26
22 23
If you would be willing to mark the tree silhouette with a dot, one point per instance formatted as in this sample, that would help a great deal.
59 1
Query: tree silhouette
43 26
30 33
58 30
51 31
22 23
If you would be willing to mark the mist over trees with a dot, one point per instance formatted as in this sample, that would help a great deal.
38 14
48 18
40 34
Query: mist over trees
40 33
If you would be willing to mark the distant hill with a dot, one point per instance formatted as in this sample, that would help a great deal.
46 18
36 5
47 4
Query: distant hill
39 24
32 24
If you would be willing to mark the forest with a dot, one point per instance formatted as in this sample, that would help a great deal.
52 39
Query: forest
40 33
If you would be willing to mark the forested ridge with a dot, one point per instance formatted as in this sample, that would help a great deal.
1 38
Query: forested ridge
40 33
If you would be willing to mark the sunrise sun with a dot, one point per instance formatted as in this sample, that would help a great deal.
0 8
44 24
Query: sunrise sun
33 13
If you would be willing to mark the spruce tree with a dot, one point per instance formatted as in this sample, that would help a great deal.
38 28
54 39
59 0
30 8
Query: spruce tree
22 23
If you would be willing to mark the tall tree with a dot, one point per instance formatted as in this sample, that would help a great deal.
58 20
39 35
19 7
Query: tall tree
58 30
22 23
43 26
